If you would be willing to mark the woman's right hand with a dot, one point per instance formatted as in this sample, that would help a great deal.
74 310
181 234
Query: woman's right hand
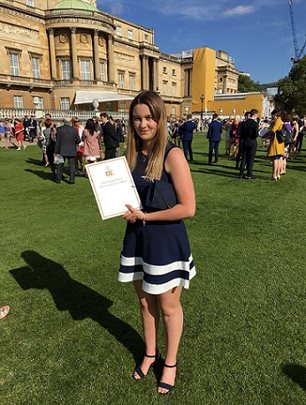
132 215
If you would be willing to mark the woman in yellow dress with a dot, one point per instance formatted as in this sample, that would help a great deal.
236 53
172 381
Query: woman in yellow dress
276 149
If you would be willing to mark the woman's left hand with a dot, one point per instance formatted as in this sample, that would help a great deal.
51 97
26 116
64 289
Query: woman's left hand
132 215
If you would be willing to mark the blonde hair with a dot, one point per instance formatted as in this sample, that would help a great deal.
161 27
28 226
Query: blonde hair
156 159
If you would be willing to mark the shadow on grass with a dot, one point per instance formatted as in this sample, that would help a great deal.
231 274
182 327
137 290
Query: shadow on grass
297 374
81 301
35 162
42 174
216 173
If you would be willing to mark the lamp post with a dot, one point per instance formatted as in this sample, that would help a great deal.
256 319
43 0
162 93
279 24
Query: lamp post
202 101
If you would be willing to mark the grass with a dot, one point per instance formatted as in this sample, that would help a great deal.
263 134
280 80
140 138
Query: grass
74 333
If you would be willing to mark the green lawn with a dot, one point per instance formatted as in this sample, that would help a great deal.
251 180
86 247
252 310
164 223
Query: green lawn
74 333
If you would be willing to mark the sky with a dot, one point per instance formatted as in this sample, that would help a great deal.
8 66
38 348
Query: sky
256 34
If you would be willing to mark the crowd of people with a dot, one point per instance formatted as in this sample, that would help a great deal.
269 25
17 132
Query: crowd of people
20 130
241 140
79 144
100 137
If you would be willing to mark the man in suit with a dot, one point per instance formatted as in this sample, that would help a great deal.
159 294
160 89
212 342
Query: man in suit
32 128
110 137
214 137
66 140
186 135
248 144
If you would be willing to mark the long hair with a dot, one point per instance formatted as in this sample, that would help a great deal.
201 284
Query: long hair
159 142
90 126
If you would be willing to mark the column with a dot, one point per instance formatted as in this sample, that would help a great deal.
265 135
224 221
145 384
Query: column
74 54
225 84
52 54
145 72
142 73
96 54
110 59
156 74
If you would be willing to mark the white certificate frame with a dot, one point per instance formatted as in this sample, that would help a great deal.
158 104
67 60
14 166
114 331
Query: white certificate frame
113 186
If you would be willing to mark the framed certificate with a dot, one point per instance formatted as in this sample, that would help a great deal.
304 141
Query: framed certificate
113 186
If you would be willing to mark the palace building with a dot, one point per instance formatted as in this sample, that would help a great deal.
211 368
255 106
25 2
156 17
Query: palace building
59 55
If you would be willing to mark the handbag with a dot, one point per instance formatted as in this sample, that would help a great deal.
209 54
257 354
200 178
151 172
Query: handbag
284 135
58 159
160 196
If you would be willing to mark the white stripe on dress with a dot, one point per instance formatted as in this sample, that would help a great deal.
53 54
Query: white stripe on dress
156 270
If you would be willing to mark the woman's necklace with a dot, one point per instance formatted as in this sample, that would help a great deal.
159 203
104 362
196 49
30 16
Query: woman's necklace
144 157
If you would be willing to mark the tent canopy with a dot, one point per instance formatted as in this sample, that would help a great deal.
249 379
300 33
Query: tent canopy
87 97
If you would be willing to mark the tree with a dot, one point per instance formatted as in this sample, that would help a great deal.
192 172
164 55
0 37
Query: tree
292 89
246 84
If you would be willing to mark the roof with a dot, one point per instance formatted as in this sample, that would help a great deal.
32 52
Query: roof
87 97
75 5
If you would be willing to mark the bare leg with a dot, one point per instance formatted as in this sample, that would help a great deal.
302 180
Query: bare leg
276 168
150 314
46 160
173 320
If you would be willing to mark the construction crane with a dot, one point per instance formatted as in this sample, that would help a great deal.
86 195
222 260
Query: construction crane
297 52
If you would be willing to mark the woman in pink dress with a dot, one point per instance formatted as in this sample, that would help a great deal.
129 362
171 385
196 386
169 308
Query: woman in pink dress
90 138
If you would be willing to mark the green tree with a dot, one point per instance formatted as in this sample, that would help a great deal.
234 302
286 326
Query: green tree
246 84
292 89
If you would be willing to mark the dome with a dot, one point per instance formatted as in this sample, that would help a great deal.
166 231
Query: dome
75 5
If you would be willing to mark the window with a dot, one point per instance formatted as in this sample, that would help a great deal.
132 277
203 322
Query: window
102 71
66 69
36 67
118 30
164 90
85 69
14 64
173 89
173 72
146 37
130 34
121 80
18 102
65 103
30 3
164 70
132 81
38 103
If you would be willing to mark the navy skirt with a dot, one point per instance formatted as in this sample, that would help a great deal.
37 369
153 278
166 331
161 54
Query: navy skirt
158 253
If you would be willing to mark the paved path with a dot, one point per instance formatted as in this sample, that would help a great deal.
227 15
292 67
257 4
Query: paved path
2 143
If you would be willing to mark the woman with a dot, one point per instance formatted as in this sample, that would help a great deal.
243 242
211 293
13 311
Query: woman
156 254
174 131
227 128
19 133
287 123
276 149
234 137
91 142
295 134
50 137
8 133
79 161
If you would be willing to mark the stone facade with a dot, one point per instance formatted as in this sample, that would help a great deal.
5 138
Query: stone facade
49 52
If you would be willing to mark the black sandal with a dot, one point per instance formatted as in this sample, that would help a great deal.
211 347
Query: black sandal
165 385
138 370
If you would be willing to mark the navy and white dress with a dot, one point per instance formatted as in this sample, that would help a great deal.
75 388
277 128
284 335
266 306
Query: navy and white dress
156 252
